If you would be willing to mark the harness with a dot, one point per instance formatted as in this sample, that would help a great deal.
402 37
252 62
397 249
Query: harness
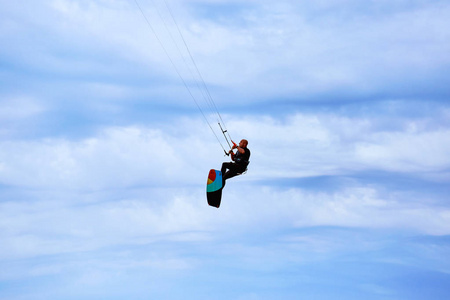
245 171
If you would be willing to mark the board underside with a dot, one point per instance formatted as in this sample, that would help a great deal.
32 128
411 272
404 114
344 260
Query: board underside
214 188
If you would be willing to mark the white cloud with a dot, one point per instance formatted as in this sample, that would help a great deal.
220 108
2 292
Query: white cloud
41 226
326 144
407 152
137 185
298 48
127 199
118 157
299 145
45 225
19 108
338 48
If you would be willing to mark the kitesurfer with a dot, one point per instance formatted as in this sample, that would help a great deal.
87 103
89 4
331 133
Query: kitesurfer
241 161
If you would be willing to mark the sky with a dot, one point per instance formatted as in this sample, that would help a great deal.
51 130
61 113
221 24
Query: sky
105 148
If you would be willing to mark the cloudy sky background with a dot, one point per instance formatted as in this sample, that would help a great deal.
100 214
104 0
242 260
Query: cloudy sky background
104 154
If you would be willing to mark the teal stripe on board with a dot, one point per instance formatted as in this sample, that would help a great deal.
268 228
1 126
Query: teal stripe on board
216 184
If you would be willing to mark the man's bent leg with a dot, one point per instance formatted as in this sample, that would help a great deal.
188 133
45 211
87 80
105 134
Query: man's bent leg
223 169
228 174
225 166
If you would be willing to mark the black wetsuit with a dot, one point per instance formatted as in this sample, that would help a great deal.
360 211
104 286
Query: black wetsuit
234 168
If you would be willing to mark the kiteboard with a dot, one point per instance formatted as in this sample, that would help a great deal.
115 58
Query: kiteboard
214 188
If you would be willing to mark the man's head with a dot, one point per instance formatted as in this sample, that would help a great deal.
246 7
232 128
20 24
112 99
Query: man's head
243 143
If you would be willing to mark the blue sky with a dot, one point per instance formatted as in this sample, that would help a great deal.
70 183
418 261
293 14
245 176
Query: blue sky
104 154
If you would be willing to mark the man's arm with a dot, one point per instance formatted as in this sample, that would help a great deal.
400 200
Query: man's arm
231 151
241 150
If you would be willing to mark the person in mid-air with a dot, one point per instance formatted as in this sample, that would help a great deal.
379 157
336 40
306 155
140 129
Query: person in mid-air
241 161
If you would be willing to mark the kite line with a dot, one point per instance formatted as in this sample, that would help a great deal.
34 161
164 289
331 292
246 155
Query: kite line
196 74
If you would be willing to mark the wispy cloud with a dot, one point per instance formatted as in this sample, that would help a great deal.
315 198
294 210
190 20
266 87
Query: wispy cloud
104 154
